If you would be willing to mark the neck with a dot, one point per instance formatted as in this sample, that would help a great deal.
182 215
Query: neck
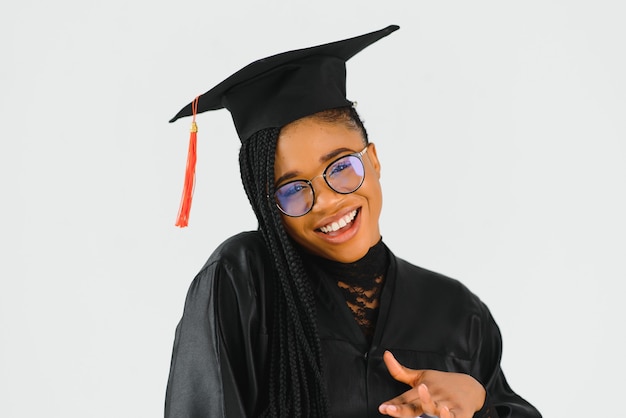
360 283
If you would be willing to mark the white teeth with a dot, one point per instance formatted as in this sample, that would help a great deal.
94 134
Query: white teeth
339 224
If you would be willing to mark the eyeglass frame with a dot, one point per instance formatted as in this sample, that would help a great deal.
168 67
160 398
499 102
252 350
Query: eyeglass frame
358 155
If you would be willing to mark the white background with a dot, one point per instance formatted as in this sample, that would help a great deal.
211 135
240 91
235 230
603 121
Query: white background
500 127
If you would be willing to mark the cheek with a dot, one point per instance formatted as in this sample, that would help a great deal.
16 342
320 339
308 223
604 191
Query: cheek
374 203
374 196
294 227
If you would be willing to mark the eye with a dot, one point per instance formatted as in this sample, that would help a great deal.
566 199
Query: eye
339 166
292 189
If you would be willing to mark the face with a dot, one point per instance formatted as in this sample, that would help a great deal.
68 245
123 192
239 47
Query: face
304 149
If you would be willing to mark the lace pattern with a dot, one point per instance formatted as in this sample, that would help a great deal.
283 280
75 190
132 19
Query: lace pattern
361 283
363 299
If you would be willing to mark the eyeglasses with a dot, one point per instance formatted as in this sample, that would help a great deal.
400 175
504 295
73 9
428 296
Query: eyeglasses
344 175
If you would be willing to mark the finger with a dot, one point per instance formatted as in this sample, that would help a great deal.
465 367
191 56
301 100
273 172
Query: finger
407 404
429 406
401 406
395 369
426 401
398 371
445 413
400 410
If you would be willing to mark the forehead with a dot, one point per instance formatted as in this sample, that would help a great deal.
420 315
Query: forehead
304 143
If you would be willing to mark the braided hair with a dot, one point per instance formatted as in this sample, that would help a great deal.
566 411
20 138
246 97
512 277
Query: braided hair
296 382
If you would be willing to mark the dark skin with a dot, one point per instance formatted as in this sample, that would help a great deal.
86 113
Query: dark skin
442 394
304 149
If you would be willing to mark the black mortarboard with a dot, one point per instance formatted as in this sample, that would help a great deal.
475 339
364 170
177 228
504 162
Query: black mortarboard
274 91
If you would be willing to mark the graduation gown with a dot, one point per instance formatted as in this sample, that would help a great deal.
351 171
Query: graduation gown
428 321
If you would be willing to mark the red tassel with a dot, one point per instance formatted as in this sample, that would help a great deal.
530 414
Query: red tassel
190 172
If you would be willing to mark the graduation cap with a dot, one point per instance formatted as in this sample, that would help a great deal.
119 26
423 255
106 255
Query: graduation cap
274 91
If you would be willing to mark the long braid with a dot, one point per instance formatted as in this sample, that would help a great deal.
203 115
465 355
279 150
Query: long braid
296 380
296 383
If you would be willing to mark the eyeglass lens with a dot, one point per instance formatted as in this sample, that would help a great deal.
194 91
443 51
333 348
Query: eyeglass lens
344 175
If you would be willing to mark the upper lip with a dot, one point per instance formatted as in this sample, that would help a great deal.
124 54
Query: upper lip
335 218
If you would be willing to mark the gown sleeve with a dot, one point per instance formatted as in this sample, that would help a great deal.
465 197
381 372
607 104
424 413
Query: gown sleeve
459 336
502 401
220 345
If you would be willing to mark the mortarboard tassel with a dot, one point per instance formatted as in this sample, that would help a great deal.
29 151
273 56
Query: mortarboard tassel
190 172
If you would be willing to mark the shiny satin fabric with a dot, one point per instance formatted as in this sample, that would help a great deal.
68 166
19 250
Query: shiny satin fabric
428 321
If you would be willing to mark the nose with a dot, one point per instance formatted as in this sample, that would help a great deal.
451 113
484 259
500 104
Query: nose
324 196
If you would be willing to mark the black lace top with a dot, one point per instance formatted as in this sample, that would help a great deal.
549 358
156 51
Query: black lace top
360 283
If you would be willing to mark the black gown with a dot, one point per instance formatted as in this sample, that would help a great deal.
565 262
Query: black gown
428 321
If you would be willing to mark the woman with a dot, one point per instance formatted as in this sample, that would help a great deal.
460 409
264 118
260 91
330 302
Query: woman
307 316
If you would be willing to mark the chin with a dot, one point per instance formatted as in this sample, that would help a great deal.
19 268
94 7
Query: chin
348 253
351 255
347 244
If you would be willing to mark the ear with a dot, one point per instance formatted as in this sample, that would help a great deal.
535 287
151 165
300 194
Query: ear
373 158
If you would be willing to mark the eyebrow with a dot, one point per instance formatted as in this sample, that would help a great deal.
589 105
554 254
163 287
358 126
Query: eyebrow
333 154
324 158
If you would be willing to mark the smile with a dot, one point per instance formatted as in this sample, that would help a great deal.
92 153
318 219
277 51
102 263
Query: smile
341 223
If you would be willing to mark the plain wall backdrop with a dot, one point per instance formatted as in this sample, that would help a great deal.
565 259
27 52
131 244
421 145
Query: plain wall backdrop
501 132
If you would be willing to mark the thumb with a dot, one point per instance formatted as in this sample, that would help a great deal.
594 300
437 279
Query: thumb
399 372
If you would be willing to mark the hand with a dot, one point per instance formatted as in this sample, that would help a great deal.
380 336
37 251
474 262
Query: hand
443 394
